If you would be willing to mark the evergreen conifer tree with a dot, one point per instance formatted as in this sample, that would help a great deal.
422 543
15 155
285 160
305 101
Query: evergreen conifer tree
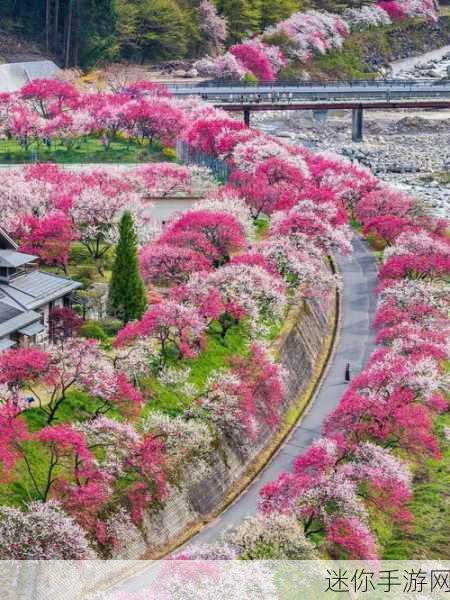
127 295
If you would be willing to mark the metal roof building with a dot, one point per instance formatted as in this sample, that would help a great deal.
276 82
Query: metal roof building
27 295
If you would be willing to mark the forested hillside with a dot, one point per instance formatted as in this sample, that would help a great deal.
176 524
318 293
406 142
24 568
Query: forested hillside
82 32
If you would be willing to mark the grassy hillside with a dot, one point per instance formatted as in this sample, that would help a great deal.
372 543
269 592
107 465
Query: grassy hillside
428 537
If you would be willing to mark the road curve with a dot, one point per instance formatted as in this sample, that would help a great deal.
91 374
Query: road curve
355 341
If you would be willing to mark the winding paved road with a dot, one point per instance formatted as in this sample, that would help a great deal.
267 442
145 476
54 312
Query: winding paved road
354 344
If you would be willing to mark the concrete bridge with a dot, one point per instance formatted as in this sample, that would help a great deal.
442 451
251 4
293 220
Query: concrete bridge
323 96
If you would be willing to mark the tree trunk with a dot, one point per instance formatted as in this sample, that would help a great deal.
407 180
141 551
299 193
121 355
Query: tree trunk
47 24
69 35
77 31
55 26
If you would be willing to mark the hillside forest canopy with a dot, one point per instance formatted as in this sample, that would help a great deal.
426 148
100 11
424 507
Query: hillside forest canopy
84 32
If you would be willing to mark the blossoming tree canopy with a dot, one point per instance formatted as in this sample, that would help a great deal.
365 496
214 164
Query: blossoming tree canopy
41 532
213 234
49 375
233 263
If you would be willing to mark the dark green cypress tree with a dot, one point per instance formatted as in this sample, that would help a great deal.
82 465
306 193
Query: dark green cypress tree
127 298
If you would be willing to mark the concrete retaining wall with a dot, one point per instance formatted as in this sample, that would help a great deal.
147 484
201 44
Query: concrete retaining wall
15 75
299 347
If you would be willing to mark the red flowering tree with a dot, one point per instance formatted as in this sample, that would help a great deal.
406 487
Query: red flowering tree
384 201
63 323
171 330
263 387
48 97
153 119
387 227
203 134
253 58
272 180
245 399
167 265
408 425
416 267
49 237
331 486
394 9
90 469
48 376
213 234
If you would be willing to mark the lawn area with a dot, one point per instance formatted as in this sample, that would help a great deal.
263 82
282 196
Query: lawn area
84 268
428 537
163 397
73 409
215 355
86 150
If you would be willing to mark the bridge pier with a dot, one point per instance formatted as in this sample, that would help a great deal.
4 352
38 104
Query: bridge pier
247 116
357 124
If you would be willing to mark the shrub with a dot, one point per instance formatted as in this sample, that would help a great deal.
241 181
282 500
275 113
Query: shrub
110 326
250 79
93 331
169 152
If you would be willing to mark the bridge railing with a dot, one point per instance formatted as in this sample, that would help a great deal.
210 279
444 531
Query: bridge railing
374 83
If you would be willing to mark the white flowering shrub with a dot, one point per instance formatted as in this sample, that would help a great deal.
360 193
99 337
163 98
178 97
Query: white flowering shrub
187 442
272 537
41 532
366 16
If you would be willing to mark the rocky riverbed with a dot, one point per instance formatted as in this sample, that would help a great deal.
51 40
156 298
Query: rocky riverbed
432 65
408 148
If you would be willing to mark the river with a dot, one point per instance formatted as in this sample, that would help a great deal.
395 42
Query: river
407 148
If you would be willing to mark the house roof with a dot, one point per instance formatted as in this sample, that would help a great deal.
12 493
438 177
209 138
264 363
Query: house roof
36 288
18 321
13 259
33 329
15 75
7 312
6 242
6 343
22 294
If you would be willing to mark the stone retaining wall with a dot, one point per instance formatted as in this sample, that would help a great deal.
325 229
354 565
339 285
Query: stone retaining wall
405 42
299 347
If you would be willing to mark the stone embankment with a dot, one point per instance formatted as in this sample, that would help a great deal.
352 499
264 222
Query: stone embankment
302 349
404 42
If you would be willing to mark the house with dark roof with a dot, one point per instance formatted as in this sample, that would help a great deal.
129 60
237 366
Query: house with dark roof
27 295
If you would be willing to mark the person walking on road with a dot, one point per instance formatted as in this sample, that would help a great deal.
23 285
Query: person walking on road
347 372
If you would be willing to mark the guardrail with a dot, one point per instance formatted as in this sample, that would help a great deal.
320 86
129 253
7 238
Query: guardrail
374 83
188 156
